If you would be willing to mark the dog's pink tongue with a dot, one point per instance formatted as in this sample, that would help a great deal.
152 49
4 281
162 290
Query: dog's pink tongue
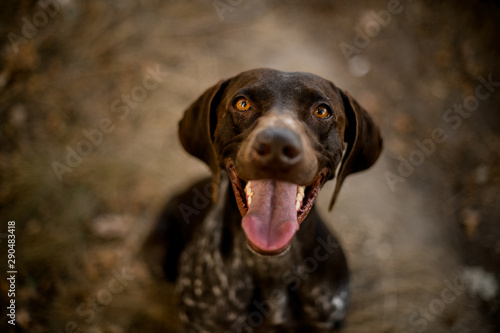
271 220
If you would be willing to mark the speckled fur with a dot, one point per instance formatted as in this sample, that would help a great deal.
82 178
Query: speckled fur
247 292
223 285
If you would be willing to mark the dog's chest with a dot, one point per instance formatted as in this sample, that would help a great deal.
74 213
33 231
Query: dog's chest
218 291
213 290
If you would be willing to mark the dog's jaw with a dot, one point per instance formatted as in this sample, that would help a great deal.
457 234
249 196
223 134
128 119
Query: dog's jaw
272 210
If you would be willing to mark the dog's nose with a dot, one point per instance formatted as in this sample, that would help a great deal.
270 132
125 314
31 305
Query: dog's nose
277 147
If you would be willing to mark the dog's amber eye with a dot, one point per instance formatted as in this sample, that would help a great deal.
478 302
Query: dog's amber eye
322 112
242 104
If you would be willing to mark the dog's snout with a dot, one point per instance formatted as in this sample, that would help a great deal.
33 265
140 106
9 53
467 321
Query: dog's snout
279 146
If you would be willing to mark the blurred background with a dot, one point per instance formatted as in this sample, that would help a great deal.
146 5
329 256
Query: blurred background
90 96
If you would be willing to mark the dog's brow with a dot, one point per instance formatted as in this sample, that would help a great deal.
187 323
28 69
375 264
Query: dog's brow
254 92
312 94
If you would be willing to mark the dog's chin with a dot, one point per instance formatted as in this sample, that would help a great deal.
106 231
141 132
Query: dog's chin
275 254
272 210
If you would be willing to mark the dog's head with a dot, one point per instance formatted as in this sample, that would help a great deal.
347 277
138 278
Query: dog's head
279 136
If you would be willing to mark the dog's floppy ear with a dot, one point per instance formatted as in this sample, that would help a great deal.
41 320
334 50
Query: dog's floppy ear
197 127
363 139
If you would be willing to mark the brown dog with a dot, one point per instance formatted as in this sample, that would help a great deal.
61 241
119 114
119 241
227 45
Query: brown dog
260 259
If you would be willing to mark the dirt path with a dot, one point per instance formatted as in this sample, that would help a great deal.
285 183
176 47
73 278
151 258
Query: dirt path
73 77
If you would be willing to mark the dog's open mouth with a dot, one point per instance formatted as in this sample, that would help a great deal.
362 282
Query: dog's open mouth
272 210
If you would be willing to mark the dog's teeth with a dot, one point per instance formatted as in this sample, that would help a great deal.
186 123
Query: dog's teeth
300 190
300 197
249 193
300 193
248 190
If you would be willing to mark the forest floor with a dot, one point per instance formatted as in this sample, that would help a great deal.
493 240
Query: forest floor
420 228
